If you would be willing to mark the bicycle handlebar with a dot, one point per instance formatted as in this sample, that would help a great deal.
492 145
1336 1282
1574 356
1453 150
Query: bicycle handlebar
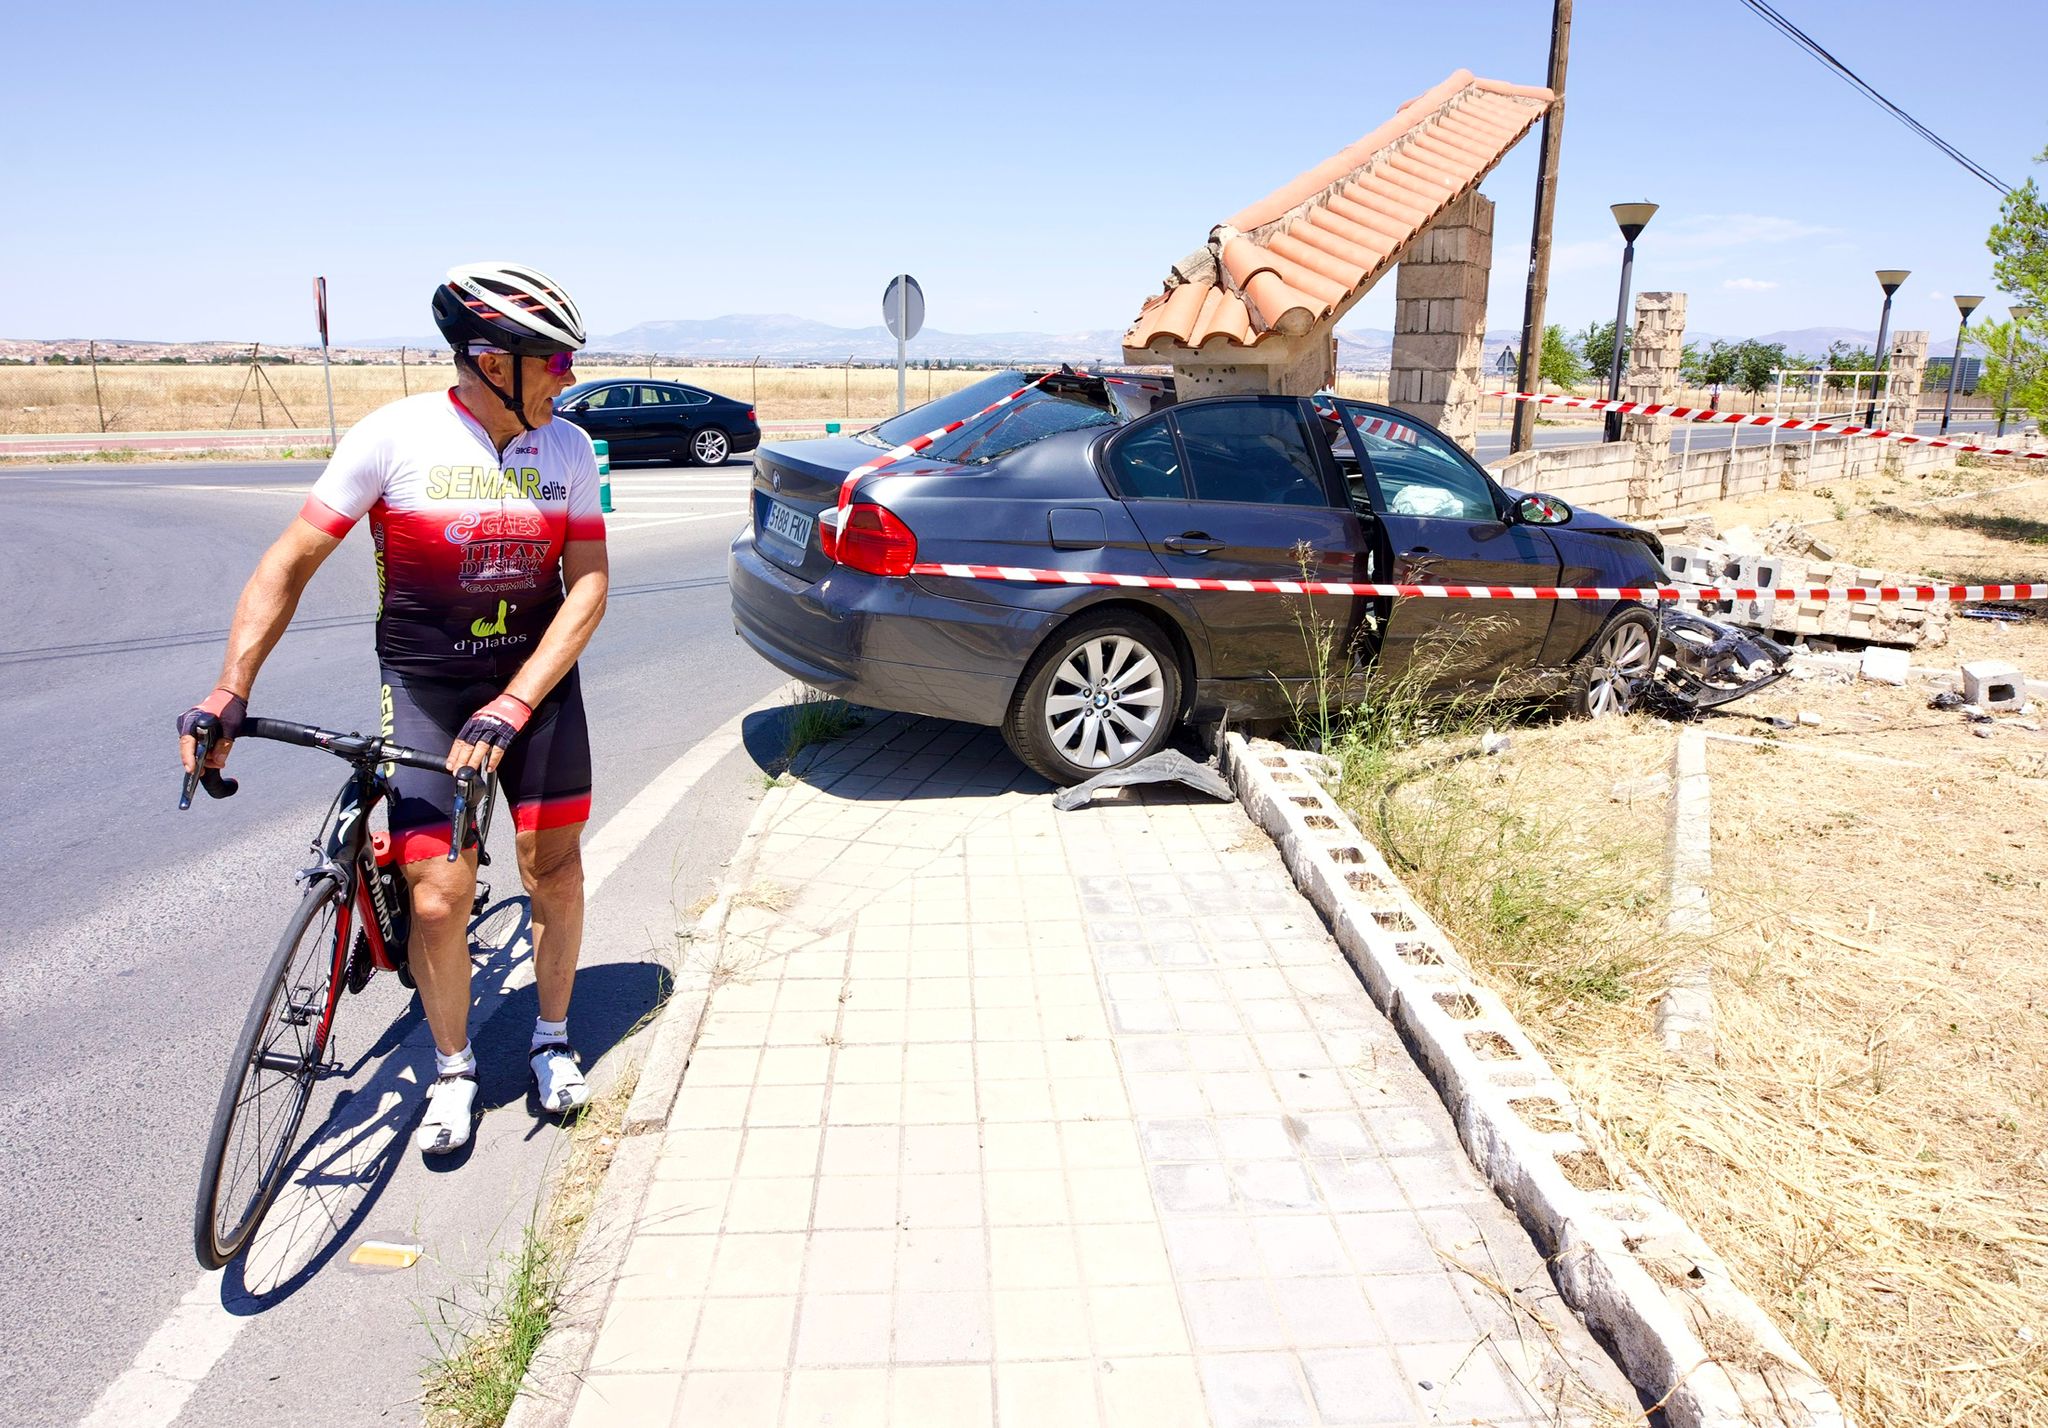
356 748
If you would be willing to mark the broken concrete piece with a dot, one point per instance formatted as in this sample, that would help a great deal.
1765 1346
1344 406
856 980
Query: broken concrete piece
1884 665
1628 790
1809 719
1742 540
1993 684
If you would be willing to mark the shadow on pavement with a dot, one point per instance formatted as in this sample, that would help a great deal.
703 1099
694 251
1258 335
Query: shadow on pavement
344 1164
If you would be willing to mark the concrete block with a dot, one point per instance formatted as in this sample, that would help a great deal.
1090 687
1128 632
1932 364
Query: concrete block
1994 684
1884 665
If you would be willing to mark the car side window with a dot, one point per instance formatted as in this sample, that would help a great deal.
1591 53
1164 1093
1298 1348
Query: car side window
1251 451
657 397
610 399
690 396
1145 464
1419 472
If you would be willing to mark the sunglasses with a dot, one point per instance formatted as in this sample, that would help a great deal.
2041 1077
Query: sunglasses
559 364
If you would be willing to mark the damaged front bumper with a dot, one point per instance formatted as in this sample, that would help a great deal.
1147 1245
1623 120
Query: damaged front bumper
1702 664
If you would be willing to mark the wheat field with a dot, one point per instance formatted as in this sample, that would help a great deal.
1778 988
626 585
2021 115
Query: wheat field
170 397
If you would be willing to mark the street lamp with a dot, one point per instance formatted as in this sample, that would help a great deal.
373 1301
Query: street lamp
1633 218
1966 303
2020 317
1891 280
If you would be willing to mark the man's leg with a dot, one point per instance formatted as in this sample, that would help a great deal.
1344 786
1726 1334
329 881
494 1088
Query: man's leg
442 896
551 866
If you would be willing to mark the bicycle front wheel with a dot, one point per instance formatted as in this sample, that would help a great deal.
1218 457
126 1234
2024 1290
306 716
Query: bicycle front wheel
270 1078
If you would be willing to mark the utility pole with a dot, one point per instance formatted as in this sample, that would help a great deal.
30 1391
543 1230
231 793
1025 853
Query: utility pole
1530 369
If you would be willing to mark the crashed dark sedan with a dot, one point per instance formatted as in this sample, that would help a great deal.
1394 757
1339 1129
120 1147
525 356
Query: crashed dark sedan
1088 473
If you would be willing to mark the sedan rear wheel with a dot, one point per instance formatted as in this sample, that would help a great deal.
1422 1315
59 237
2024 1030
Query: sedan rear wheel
1615 671
1103 693
710 447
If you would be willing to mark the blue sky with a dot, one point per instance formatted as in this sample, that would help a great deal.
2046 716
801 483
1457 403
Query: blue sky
181 172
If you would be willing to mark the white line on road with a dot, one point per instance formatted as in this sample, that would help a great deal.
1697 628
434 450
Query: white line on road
196 1335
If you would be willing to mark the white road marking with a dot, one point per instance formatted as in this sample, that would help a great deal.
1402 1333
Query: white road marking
191 1342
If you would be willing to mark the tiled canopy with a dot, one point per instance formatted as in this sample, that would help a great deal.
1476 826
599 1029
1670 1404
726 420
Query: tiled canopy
1310 249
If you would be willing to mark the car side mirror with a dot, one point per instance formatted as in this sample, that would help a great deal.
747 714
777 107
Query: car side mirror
579 406
1541 510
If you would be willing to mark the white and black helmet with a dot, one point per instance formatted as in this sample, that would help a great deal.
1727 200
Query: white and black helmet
508 306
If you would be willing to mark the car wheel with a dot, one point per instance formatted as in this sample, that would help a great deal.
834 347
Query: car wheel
1615 670
710 447
1102 693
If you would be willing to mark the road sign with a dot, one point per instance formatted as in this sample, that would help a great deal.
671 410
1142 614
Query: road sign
320 306
903 307
903 310
326 370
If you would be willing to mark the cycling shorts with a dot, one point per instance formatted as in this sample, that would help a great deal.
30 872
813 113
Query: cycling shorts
545 774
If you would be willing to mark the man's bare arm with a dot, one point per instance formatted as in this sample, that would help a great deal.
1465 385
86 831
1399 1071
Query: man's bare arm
265 609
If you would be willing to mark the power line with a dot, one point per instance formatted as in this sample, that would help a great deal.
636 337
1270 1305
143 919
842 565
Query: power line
1813 47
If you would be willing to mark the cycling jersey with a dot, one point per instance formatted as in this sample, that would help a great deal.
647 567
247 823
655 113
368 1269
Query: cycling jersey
468 544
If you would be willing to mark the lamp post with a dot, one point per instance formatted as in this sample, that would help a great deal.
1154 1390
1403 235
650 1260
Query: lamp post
1891 280
1966 303
1632 218
2020 317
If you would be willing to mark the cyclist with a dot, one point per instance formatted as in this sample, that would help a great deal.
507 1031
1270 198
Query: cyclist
491 577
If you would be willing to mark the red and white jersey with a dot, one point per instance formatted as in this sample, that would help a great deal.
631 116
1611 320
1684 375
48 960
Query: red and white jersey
468 543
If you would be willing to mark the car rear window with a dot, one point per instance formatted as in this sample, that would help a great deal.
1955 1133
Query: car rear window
1064 403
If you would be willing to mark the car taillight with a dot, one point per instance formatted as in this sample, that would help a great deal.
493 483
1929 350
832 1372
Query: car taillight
750 415
870 538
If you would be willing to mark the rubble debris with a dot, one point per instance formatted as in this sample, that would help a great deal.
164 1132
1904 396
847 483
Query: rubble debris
1787 554
1628 790
1702 664
1884 665
1810 719
1947 700
1492 743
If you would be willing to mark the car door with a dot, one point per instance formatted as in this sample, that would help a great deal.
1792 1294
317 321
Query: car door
1444 522
1238 488
606 413
658 423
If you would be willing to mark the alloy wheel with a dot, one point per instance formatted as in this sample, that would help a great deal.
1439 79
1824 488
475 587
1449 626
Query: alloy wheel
710 448
1105 701
1621 662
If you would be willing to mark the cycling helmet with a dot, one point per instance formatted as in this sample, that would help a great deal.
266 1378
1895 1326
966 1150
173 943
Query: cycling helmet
508 308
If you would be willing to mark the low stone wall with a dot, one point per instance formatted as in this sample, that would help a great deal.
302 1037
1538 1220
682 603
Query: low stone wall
1598 477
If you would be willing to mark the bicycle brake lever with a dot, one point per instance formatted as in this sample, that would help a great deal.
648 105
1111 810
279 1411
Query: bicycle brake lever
217 784
465 800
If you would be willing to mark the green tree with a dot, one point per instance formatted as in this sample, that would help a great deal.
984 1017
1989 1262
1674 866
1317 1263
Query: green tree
1844 358
1596 343
1754 363
2019 243
2019 251
1560 363
2015 362
1722 362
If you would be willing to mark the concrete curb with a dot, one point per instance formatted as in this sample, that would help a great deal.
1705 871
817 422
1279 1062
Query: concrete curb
1637 1273
1685 1013
547 1393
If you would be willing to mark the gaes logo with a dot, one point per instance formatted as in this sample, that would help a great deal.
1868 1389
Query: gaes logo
483 628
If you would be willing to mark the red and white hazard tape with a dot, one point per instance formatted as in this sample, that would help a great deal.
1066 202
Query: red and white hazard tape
1382 590
1716 418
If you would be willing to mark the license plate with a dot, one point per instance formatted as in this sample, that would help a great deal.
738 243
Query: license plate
790 525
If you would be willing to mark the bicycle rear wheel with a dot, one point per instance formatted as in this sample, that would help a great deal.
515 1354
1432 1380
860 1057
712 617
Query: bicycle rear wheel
270 1078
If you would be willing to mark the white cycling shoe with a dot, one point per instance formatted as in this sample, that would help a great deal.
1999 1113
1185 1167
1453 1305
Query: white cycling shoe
558 1082
451 1114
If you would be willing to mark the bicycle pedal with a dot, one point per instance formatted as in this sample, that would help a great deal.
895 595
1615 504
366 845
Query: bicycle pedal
481 901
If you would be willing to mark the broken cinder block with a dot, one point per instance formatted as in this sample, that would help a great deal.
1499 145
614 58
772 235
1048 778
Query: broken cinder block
1884 665
1993 684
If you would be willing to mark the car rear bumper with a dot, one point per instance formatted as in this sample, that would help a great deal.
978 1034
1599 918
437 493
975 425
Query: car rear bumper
884 642
744 441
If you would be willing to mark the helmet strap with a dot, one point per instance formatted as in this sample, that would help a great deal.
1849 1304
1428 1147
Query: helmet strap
513 401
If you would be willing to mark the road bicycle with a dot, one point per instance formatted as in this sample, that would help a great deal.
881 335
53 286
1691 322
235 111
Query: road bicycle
352 922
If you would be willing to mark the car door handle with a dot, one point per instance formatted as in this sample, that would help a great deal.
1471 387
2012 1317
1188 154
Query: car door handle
1412 554
1193 543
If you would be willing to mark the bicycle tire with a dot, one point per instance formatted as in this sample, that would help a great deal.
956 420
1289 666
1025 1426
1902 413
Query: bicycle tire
306 961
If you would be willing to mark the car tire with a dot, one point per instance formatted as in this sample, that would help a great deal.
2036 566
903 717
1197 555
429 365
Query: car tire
1103 692
709 447
1611 676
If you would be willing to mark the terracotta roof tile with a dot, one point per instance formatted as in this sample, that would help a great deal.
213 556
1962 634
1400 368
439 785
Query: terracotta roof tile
1313 246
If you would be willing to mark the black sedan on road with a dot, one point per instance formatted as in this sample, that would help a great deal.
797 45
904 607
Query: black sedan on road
661 421
1103 475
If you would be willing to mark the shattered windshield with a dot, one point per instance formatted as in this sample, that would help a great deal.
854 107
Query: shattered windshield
1063 403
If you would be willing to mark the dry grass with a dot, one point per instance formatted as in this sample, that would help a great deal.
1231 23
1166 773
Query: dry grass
204 398
1870 1150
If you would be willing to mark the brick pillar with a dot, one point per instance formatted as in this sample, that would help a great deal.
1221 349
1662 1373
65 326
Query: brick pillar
1655 347
1901 407
1440 320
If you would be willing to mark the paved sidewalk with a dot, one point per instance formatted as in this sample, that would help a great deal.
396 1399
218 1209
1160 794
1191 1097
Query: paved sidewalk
1008 1116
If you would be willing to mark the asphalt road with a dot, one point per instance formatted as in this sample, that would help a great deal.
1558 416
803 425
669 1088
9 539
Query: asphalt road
131 937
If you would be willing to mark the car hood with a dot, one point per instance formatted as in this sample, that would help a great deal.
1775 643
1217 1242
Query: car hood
1593 523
